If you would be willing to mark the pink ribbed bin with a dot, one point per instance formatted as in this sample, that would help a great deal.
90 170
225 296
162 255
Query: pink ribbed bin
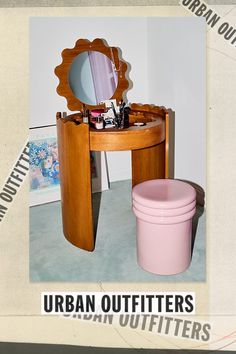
164 209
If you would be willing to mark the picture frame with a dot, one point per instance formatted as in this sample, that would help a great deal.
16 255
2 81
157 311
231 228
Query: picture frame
44 167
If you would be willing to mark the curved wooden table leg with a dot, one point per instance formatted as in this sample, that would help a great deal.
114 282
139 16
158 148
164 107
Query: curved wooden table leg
75 176
148 163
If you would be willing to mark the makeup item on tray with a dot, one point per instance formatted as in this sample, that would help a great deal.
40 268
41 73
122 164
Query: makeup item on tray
85 114
121 115
109 123
123 118
126 113
113 110
139 124
97 120
99 124
119 118
108 118
96 112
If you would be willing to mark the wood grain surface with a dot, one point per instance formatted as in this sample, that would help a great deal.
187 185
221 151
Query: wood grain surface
148 163
128 139
75 176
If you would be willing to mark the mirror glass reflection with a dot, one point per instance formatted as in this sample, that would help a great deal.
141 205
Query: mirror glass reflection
92 77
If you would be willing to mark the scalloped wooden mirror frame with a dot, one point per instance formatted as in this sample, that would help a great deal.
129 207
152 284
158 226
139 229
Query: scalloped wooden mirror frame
69 54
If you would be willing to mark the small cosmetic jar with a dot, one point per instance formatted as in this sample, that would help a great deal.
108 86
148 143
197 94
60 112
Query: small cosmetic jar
99 123
96 112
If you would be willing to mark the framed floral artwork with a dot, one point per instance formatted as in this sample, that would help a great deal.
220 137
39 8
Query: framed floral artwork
44 167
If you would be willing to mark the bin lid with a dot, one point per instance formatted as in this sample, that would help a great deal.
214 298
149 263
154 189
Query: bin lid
164 193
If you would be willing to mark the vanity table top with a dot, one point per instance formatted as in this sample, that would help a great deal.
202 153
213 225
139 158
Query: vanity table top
132 138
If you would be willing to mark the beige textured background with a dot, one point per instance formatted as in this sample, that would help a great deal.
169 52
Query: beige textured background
20 318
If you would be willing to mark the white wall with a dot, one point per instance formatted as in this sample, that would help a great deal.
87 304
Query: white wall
167 68
176 79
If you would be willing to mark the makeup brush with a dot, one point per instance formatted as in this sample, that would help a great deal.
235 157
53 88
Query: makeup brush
115 114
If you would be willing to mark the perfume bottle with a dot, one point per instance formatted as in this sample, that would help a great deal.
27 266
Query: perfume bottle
99 124
86 116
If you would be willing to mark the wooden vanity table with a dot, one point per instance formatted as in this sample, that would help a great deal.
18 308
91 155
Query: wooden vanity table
149 146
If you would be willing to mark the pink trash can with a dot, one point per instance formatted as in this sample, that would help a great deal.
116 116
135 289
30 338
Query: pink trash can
164 209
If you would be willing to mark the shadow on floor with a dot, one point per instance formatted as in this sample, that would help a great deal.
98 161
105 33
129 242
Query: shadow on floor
96 202
198 214
200 197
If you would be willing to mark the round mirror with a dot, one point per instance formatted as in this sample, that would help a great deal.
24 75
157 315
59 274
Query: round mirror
92 77
91 72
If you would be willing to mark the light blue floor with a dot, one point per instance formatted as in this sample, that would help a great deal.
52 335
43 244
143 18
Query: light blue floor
53 258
